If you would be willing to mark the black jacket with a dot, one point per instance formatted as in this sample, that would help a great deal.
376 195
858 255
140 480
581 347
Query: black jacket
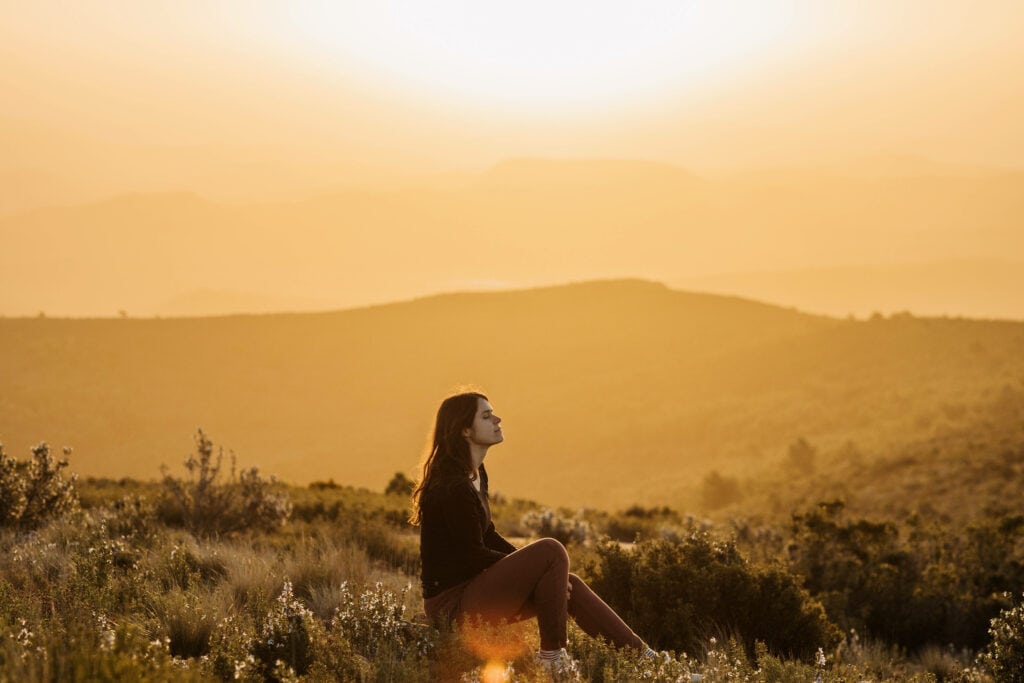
457 537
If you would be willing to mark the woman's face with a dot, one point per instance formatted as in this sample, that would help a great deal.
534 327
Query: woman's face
485 430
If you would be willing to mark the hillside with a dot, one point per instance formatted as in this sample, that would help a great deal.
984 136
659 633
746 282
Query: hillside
623 391
966 469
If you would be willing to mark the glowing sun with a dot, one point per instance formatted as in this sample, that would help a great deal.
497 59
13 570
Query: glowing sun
540 55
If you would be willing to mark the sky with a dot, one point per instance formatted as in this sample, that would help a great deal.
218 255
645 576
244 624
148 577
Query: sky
248 98
670 140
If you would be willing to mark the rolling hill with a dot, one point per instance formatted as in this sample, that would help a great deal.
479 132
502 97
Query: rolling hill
613 392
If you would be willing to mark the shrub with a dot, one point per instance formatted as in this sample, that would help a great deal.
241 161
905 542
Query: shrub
205 505
400 485
371 618
677 592
230 656
286 634
931 586
637 521
1004 655
548 523
34 491
275 642
718 491
131 517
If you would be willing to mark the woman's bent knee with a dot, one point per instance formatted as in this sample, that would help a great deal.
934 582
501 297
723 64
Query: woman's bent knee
552 549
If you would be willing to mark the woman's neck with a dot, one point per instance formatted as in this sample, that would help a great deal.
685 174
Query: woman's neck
476 477
477 453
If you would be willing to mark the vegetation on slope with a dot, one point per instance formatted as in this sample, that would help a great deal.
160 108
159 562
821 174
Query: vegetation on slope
632 391
119 588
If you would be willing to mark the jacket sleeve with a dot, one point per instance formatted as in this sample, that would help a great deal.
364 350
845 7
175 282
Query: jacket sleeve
492 539
463 517
495 541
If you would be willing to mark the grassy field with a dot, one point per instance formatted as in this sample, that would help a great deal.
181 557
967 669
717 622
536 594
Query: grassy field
252 580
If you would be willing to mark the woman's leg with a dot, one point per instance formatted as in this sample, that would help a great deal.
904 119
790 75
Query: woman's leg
596 618
532 580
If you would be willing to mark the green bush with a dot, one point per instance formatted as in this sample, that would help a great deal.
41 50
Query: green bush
678 592
207 506
908 586
34 491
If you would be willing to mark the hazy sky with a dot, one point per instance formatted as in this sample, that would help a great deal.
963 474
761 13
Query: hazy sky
273 107
224 96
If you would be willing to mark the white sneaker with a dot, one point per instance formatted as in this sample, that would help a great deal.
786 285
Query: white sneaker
561 668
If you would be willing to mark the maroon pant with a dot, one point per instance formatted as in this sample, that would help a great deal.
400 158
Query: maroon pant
534 581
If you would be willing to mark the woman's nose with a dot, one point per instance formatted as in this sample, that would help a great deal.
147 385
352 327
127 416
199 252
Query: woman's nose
497 420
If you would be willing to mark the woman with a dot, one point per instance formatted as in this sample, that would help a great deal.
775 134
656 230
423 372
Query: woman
468 568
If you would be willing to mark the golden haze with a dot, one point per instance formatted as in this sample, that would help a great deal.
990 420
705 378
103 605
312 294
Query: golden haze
530 222
239 101
228 157
627 391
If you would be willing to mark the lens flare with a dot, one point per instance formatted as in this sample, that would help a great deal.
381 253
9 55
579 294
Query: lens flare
499 642
494 672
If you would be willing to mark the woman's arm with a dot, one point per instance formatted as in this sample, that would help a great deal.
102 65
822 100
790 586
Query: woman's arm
495 541
492 539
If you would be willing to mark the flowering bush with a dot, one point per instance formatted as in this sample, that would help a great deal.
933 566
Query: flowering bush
1004 655
278 646
230 656
285 634
375 617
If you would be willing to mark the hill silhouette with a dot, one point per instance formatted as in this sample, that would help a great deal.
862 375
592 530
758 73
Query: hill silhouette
525 222
613 392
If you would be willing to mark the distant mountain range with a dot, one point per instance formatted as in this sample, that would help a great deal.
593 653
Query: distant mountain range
531 222
613 392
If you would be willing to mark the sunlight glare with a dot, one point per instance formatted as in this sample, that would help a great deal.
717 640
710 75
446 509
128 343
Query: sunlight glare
494 672
539 55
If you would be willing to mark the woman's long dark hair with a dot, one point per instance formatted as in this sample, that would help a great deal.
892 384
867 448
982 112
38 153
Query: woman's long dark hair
447 460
